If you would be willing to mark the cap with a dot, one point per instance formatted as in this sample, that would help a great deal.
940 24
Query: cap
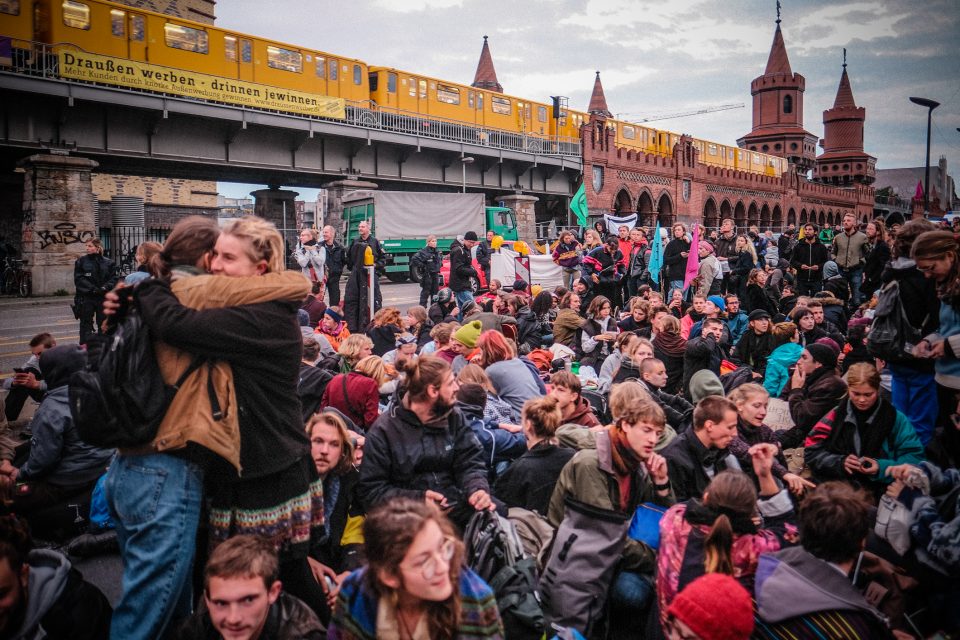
823 354
759 314
471 235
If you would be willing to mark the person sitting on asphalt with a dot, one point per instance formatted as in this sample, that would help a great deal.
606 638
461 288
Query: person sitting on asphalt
574 408
815 387
697 455
678 410
755 346
703 352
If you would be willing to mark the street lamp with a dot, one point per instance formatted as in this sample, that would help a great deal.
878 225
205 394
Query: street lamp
464 162
930 105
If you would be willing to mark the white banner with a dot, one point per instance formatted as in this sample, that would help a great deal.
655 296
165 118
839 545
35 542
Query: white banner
615 222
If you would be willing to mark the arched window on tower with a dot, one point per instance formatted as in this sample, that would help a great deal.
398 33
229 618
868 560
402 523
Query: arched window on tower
788 104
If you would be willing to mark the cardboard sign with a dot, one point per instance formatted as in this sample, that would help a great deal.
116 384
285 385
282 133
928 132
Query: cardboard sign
778 415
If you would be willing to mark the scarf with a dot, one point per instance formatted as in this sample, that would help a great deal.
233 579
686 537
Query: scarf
310 243
671 344
704 514
331 491
872 430
625 461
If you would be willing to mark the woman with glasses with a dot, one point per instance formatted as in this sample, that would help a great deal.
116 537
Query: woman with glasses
415 585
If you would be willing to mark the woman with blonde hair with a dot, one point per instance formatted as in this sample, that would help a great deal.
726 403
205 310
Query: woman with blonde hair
311 255
144 254
591 240
354 348
356 393
279 494
416 584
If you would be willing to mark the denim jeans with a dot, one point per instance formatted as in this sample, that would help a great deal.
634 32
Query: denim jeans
674 284
914 394
854 278
155 502
462 298
631 592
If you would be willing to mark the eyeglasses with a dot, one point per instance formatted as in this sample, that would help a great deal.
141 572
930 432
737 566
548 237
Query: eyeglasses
428 566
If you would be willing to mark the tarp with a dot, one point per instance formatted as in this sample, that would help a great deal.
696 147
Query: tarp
415 214
543 270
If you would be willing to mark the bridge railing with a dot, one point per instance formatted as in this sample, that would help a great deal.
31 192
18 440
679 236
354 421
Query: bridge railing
41 60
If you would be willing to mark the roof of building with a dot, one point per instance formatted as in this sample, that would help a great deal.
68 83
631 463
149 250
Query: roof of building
598 102
486 76
778 62
844 98
903 181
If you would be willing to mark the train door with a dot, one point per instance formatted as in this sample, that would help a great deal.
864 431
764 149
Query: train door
137 36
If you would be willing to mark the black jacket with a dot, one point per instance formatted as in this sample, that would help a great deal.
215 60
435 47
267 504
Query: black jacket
753 350
263 344
918 295
354 254
531 329
326 547
821 392
484 251
310 387
877 260
676 264
529 482
686 458
404 457
461 268
428 259
809 253
288 619
703 352
94 275
678 410
384 338
759 298
336 257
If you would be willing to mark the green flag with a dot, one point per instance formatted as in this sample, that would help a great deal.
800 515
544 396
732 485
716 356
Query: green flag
579 205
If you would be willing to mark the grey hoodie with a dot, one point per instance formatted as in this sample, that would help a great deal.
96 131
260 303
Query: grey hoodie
48 575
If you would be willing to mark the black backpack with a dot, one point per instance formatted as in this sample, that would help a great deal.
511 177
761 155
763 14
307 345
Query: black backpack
891 330
120 398
494 551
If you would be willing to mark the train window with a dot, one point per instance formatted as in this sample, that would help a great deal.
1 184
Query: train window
422 88
526 111
712 149
412 89
76 15
333 69
374 80
629 132
730 154
471 99
357 74
118 23
479 102
186 38
756 158
500 105
230 48
284 59
391 83
322 70
448 94
137 28
246 51
541 114
10 7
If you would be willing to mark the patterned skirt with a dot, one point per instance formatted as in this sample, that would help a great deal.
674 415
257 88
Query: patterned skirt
282 507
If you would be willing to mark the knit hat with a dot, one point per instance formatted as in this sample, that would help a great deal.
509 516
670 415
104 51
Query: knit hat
823 354
333 314
468 334
706 246
404 338
759 314
470 235
468 308
718 302
830 269
705 383
830 342
715 607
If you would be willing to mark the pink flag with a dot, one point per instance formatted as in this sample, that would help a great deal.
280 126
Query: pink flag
918 195
693 260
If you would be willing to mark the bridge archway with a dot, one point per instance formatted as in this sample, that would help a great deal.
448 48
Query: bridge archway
740 216
765 217
710 214
726 211
645 209
776 220
791 217
753 215
665 207
622 202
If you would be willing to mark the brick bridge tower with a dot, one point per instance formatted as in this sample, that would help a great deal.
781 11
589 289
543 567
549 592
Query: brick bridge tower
778 110
844 161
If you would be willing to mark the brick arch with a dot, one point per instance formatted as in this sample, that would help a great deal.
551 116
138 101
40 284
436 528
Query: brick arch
645 208
726 211
803 216
665 207
740 216
711 217
791 217
776 219
822 218
765 217
865 219
830 219
623 201
753 215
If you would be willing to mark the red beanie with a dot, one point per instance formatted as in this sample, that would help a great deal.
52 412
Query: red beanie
715 607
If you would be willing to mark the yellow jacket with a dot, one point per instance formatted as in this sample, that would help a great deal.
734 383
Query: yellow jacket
190 416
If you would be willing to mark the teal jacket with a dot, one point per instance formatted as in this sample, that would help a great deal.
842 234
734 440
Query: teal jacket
776 376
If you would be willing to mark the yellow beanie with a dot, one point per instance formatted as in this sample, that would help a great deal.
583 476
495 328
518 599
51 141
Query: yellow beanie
468 334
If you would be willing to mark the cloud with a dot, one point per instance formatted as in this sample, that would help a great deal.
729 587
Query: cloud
414 6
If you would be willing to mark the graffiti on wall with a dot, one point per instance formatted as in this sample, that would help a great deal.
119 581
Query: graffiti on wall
65 233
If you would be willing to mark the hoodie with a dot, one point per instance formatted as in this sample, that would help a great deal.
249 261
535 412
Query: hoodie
499 445
778 364
800 596
582 414
59 603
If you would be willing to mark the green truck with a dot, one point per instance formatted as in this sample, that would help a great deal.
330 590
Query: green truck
402 220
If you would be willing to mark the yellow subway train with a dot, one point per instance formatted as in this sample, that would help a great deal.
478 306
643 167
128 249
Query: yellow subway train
120 31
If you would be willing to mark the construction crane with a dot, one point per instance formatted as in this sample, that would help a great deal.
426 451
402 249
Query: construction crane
684 114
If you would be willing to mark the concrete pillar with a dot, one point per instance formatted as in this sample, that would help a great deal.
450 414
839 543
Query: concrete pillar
57 217
523 206
336 191
277 206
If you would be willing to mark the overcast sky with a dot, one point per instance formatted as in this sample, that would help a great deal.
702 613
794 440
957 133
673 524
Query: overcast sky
658 57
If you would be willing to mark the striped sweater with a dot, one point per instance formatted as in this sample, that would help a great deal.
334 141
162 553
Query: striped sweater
355 615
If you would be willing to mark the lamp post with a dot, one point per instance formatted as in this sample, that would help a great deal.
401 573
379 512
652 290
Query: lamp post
463 165
930 105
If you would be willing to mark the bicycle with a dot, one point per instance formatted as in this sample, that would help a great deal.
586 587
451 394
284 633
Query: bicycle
16 279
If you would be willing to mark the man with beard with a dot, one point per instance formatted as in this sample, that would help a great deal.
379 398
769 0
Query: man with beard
355 307
726 248
42 596
423 449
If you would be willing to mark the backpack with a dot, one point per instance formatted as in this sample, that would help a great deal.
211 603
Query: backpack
891 331
120 398
494 551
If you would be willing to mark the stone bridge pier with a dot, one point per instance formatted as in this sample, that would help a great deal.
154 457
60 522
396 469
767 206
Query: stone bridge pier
57 218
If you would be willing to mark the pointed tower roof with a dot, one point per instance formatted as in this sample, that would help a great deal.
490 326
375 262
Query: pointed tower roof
486 76
844 92
778 62
598 102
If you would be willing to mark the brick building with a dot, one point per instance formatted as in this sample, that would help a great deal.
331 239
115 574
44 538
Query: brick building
681 188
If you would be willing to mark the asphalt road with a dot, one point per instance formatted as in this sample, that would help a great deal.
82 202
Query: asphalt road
23 318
